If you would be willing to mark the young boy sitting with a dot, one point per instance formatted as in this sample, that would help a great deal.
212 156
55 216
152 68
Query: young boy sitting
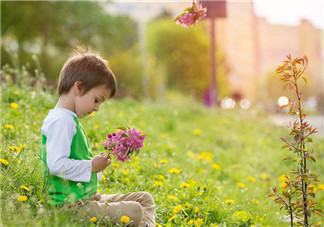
69 168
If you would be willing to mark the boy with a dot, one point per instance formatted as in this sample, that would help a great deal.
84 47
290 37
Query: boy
68 166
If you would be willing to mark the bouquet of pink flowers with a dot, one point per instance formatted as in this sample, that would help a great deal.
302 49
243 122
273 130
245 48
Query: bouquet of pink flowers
124 143
191 15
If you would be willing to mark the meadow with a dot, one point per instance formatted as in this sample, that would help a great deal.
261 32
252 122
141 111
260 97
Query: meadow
203 166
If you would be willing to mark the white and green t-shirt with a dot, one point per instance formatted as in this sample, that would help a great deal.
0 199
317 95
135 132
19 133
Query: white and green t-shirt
66 158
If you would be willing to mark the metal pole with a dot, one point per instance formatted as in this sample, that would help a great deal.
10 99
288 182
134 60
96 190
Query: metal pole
213 87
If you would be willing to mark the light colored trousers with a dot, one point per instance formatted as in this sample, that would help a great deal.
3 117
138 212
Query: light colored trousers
138 206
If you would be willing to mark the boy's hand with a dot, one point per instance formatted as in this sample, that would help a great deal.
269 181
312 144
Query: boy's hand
100 162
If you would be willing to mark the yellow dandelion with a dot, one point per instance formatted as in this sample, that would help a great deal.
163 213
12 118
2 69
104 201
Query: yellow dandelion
283 185
126 179
14 105
255 201
164 161
229 201
115 165
10 127
191 154
177 209
197 131
217 188
242 216
158 183
172 218
16 92
185 185
14 148
93 219
156 165
164 135
187 204
264 176
312 188
196 209
206 156
25 146
174 170
215 166
251 179
41 201
321 186
191 222
283 178
199 222
172 197
92 114
160 177
22 198
4 161
104 177
240 185
125 172
25 188
125 219
96 126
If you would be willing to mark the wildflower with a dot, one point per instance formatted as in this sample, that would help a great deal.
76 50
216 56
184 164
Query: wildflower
264 176
177 209
312 188
321 186
16 92
251 179
160 177
174 170
156 165
4 161
283 178
185 185
164 135
22 198
240 185
191 15
191 154
92 114
25 188
164 161
14 105
93 219
215 166
242 216
115 165
199 222
104 177
229 201
196 209
25 146
255 201
96 126
283 185
125 219
125 172
41 201
172 218
187 204
197 131
172 197
158 183
9 127
217 188
14 148
206 156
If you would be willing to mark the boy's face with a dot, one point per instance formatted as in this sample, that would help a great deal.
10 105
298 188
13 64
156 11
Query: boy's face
87 103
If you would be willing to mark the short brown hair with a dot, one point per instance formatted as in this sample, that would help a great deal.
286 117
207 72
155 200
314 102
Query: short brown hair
90 69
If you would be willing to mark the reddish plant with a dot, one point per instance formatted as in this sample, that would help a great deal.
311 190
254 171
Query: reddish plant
298 196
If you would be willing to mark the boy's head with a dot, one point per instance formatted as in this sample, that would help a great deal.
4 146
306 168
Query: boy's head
89 70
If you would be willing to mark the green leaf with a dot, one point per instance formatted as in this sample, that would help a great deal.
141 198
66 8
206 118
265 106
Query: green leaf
122 128
136 153
309 139
305 79
124 135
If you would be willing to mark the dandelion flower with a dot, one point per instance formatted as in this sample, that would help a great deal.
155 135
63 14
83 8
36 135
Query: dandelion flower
14 148
164 161
158 183
196 209
41 201
126 179
242 216
9 127
283 178
160 177
264 176
14 105
321 186
240 185
4 161
185 185
16 92
172 218
251 179
164 135
199 222
197 131
174 170
229 201
187 204
25 188
93 219
177 209
206 156
172 197
312 188
115 165
215 166
125 219
22 198
217 187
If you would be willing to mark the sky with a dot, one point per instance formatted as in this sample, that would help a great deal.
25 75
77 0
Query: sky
289 12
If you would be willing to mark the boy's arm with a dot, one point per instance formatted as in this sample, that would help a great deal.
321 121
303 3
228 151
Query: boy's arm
58 147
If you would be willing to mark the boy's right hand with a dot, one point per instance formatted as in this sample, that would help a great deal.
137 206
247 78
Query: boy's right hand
100 162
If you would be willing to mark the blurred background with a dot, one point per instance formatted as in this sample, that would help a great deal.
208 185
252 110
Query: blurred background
153 57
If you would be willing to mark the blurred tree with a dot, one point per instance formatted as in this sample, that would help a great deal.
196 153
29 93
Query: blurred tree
52 29
185 53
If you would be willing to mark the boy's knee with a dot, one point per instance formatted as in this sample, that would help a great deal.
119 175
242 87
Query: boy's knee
136 214
148 197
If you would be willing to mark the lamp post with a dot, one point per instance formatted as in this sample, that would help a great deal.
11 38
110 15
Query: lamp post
215 9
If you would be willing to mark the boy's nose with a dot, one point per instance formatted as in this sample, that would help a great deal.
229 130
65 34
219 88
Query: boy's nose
96 108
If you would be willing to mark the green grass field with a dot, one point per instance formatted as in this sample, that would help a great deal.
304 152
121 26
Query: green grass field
204 167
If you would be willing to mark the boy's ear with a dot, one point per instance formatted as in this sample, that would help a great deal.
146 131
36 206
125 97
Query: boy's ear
77 87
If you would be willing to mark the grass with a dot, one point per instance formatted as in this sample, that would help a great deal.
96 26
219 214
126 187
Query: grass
224 161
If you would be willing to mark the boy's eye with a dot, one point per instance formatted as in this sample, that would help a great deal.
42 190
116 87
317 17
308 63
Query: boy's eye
96 101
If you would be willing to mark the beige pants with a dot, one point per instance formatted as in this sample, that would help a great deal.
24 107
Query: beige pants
138 206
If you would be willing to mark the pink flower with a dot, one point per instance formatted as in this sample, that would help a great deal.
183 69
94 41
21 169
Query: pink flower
124 143
191 15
